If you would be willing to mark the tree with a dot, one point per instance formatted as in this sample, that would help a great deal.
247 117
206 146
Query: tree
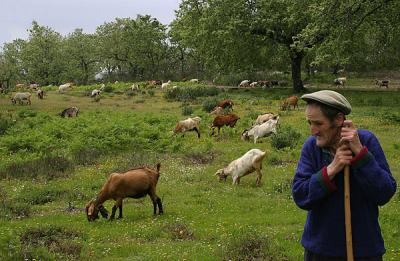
42 60
80 51
11 69
232 29
136 47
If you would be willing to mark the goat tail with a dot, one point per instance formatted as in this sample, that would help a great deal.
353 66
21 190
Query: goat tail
158 167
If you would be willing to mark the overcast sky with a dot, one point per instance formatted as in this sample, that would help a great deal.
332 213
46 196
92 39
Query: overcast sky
64 16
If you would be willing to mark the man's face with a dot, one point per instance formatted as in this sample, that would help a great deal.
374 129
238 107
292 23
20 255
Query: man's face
326 132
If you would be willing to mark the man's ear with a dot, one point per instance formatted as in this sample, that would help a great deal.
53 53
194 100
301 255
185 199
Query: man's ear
339 120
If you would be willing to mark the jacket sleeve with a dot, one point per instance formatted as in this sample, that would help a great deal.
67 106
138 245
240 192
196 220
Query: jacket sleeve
372 172
310 184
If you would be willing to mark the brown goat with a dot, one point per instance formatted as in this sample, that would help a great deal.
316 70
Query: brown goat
226 104
222 120
135 183
290 101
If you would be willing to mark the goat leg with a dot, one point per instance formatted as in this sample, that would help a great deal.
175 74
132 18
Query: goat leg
113 212
120 212
160 207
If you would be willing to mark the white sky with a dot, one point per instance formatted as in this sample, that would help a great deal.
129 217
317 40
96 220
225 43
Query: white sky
64 16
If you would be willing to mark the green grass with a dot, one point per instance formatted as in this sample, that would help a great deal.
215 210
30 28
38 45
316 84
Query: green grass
42 201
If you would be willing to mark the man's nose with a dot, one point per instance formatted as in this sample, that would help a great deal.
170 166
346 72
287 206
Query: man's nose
314 130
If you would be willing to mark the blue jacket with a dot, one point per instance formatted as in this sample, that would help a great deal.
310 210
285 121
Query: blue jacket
371 185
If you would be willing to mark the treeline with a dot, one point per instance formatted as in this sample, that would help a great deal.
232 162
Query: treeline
220 40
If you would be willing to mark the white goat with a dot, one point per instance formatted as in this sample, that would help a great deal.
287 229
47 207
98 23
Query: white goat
254 84
63 87
262 130
134 87
340 81
165 85
248 163
244 83
217 111
264 118
190 124
95 92
20 97
194 80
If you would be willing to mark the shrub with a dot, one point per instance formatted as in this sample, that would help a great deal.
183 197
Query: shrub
40 196
151 93
27 113
108 89
130 93
6 122
286 137
190 93
187 110
10 209
209 104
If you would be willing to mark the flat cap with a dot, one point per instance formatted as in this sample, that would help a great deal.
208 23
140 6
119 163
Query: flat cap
330 98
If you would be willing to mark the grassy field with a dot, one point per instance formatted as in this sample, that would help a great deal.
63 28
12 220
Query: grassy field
51 167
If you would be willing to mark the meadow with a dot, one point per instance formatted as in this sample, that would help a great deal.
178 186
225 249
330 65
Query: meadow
50 167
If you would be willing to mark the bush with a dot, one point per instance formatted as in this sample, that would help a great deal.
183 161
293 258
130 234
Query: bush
190 93
27 113
187 110
108 89
10 209
6 122
151 93
209 104
286 137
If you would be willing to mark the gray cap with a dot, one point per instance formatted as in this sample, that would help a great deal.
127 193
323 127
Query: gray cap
330 98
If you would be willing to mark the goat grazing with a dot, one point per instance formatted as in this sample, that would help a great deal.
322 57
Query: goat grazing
69 112
165 85
227 103
248 163
40 94
264 118
63 87
290 101
262 130
135 183
340 81
244 83
190 124
95 93
217 111
224 120
20 97
382 83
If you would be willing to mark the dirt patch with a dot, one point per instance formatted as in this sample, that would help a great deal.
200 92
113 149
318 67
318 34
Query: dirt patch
180 231
58 241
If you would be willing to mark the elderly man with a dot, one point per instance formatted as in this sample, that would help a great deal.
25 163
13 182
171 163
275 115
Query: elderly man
318 185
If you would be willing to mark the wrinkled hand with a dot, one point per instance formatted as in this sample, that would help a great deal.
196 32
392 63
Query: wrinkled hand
349 135
342 158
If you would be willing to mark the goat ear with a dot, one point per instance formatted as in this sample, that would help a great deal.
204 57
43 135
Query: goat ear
90 209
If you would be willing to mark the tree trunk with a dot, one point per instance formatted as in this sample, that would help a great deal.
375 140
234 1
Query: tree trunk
297 58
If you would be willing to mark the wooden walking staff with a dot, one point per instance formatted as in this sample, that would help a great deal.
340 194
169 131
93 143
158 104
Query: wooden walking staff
347 214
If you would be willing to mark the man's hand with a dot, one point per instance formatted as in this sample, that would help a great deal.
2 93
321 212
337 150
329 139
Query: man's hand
342 158
349 135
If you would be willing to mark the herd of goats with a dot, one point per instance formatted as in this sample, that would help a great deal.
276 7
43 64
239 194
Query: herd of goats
142 181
